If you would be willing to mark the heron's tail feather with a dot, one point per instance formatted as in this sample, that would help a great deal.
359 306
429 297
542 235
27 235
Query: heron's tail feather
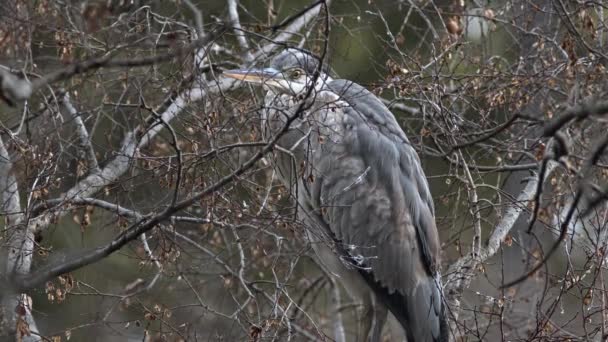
426 312
444 328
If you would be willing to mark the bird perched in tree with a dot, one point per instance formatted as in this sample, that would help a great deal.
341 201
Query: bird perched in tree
360 190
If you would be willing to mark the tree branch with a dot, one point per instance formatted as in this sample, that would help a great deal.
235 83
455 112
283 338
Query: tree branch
120 164
233 14
144 225
460 274
14 89
136 229
81 130
20 250
300 20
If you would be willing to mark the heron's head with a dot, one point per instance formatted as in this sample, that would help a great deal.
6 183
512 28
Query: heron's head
291 72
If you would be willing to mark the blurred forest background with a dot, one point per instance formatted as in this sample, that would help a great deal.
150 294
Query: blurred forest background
137 206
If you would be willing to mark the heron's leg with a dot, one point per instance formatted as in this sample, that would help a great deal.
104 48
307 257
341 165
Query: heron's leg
371 313
373 318
338 323
397 332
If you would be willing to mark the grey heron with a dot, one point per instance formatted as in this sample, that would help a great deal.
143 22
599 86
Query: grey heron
362 193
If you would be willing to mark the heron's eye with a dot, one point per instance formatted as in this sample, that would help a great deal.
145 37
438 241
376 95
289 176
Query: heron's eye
296 74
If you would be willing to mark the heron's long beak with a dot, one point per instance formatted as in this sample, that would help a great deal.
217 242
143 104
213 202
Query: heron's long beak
253 75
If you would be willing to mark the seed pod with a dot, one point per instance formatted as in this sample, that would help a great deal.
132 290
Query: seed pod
453 26
488 14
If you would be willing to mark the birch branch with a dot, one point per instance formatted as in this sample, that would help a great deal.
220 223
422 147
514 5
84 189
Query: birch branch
142 226
461 273
512 214
233 14
198 17
14 89
20 250
145 225
295 26
81 131
119 165
95 182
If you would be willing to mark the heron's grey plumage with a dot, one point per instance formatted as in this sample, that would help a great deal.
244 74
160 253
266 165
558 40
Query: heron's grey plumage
363 195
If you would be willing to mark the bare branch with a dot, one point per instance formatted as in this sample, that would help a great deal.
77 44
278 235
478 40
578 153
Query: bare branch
20 249
198 17
145 225
587 108
510 216
14 89
120 164
238 30
461 272
295 25
81 130
473 199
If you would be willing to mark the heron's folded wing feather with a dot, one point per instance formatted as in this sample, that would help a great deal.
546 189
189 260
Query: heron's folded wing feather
375 158
372 194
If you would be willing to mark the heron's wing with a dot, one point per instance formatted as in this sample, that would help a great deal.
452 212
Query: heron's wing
372 194
381 173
